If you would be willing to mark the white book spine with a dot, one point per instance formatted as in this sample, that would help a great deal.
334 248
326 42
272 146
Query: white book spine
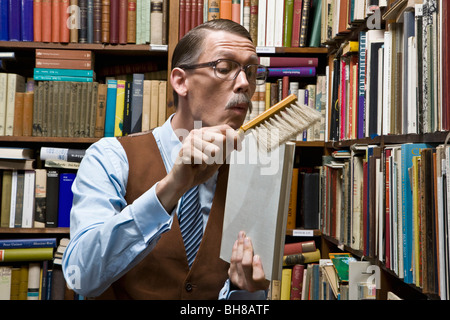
261 42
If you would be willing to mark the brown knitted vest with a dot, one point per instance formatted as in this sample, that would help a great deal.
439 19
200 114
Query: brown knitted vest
164 272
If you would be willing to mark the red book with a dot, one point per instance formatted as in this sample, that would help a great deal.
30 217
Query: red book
296 23
114 22
56 18
285 88
65 31
299 247
200 7
123 17
297 281
46 20
236 11
37 20
188 16
225 9
194 13
182 22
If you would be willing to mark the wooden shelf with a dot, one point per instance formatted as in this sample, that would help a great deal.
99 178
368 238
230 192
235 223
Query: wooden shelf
47 139
35 230
319 144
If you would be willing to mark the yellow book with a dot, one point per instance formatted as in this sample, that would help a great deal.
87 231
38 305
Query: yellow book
154 103
267 96
162 102
120 105
416 228
286 277
350 47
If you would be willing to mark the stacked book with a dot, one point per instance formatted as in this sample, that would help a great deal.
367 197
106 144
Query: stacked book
64 65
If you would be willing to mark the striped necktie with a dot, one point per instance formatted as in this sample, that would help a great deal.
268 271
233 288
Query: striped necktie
191 223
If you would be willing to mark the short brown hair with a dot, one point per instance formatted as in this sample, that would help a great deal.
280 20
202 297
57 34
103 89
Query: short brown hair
190 47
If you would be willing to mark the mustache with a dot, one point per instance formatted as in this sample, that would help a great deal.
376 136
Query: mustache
240 98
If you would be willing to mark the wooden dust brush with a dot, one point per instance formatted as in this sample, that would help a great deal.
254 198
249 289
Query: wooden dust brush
280 123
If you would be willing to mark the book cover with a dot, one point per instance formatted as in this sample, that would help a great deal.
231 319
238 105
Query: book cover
28 199
105 8
131 22
120 104
110 115
299 247
225 9
292 209
16 83
213 10
286 279
65 199
64 32
65 154
59 54
127 110
123 19
270 176
146 105
288 16
162 98
56 20
6 198
63 72
83 29
64 64
74 22
62 78
18 114
28 243
297 281
296 23
304 29
316 23
254 21
46 21
27 126
156 20
34 276
40 198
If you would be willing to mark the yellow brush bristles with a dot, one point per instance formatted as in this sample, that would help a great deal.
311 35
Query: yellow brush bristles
281 123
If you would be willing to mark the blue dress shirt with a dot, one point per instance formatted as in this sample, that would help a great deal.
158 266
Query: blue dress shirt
105 244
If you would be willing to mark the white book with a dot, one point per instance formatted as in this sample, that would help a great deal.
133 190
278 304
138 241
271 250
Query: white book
261 40
16 83
34 275
257 202
380 110
3 99
278 31
28 199
5 282
387 83
270 23
12 210
412 86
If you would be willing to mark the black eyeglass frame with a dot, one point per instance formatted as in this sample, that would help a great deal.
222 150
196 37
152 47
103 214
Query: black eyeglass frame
213 65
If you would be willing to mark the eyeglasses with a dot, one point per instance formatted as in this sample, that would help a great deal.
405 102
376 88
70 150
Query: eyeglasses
229 70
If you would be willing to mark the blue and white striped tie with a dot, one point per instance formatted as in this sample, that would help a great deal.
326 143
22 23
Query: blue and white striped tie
191 223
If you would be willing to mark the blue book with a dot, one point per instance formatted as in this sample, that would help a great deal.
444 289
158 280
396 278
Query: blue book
408 151
14 9
27 20
110 115
28 243
63 72
4 33
65 199
137 95
61 78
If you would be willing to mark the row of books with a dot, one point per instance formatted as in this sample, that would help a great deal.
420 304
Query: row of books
36 198
339 277
286 23
391 82
81 109
390 203
31 270
65 59
85 21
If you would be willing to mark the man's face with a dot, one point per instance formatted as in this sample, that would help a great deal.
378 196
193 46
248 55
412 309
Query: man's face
212 100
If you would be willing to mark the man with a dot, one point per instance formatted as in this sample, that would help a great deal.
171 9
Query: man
126 225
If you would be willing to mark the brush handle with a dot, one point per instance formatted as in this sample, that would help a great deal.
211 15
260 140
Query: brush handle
268 113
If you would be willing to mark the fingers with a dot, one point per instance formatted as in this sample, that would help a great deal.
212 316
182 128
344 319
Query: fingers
246 269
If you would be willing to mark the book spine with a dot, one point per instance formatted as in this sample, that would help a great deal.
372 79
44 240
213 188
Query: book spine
120 103
131 22
254 20
99 129
123 17
28 114
46 21
362 85
289 62
61 78
105 21
28 243
64 54
56 9
27 20
64 29
14 20
225 9
110 108
63 72
136 102
28 254
4 23
213 9
53 153
83 30
293 71
114 22
64 64
156 14
74 21
51 217
305 23
90 21
288 16
296 23
18 114
65 199
127 110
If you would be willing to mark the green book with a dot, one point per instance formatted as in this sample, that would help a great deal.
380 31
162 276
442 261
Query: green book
26 254
316 24
288 17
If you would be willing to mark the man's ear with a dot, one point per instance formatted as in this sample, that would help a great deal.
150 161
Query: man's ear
178 81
